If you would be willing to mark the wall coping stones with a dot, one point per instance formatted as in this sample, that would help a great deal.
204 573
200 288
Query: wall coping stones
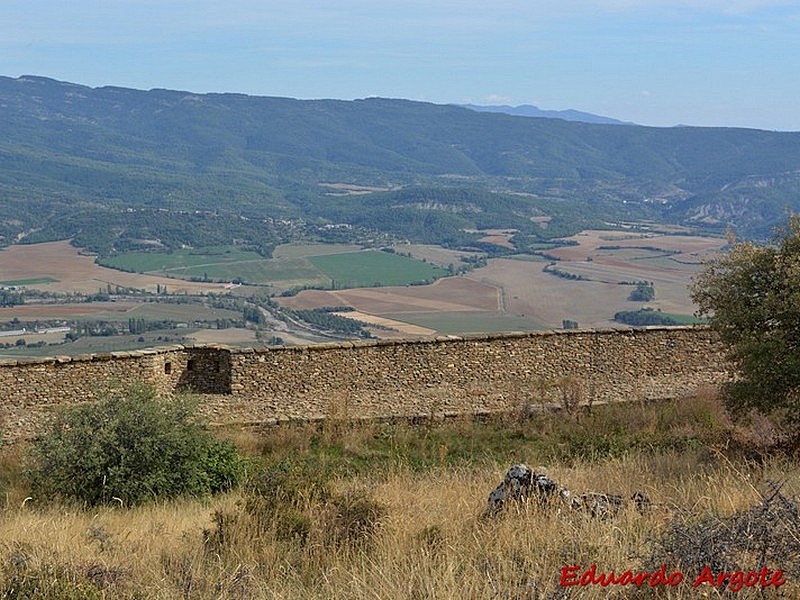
35 360
364 343
247 350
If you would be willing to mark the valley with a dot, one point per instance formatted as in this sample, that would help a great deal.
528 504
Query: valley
582 283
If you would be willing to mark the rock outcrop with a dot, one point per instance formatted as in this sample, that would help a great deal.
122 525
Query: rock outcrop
521 485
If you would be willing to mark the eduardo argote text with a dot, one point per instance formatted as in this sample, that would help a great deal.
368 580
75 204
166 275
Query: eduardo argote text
732 581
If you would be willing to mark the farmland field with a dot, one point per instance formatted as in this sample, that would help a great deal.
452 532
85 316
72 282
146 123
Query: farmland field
516 293
31 281
224 263
117 311
403 328
144 262
511 293
466 321
293 265
435 254
60 267
305 250
452 294
101 344
374 268
282 273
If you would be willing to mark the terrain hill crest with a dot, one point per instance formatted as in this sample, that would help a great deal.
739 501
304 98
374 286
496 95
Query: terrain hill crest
76 161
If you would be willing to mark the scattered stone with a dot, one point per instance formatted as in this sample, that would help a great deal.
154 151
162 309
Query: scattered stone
521 484
598 505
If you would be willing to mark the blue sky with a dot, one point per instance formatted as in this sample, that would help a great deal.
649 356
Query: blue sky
655 62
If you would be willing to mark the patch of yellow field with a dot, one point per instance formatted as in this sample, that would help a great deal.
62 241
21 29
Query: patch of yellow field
405 328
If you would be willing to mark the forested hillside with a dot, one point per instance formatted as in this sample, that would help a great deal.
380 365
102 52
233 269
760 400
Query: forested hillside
118 169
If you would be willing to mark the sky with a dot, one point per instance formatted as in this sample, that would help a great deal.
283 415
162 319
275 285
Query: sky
732 63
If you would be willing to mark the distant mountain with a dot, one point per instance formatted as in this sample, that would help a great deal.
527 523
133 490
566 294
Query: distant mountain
528 110
116 168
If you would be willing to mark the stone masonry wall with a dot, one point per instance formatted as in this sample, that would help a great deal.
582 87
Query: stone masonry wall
32 388
473 374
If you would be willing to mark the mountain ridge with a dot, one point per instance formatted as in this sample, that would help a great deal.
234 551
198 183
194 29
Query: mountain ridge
73 159
529 110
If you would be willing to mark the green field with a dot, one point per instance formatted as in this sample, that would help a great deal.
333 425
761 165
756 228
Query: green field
374 268
193 311
284 272
226 263
165 262
295 265
33 281
527 258
99 344
297 250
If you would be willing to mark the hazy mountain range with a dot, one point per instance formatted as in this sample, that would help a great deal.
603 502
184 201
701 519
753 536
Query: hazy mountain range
528 110
77 162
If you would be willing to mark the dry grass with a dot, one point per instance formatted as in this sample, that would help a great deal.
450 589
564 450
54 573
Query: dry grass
431 543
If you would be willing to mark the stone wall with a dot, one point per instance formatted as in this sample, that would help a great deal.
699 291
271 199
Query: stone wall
473 374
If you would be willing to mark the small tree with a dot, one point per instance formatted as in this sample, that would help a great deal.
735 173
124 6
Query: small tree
752 296
644 292
133 447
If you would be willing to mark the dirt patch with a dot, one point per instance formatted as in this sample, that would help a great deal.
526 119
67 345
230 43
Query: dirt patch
498 237
232 335
543 298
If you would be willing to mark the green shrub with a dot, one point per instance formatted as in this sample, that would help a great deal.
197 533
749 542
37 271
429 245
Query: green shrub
131 447
751 297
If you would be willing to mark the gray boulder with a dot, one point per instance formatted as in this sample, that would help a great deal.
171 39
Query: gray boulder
521 484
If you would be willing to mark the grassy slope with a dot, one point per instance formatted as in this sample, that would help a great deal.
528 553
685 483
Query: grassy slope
432 480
